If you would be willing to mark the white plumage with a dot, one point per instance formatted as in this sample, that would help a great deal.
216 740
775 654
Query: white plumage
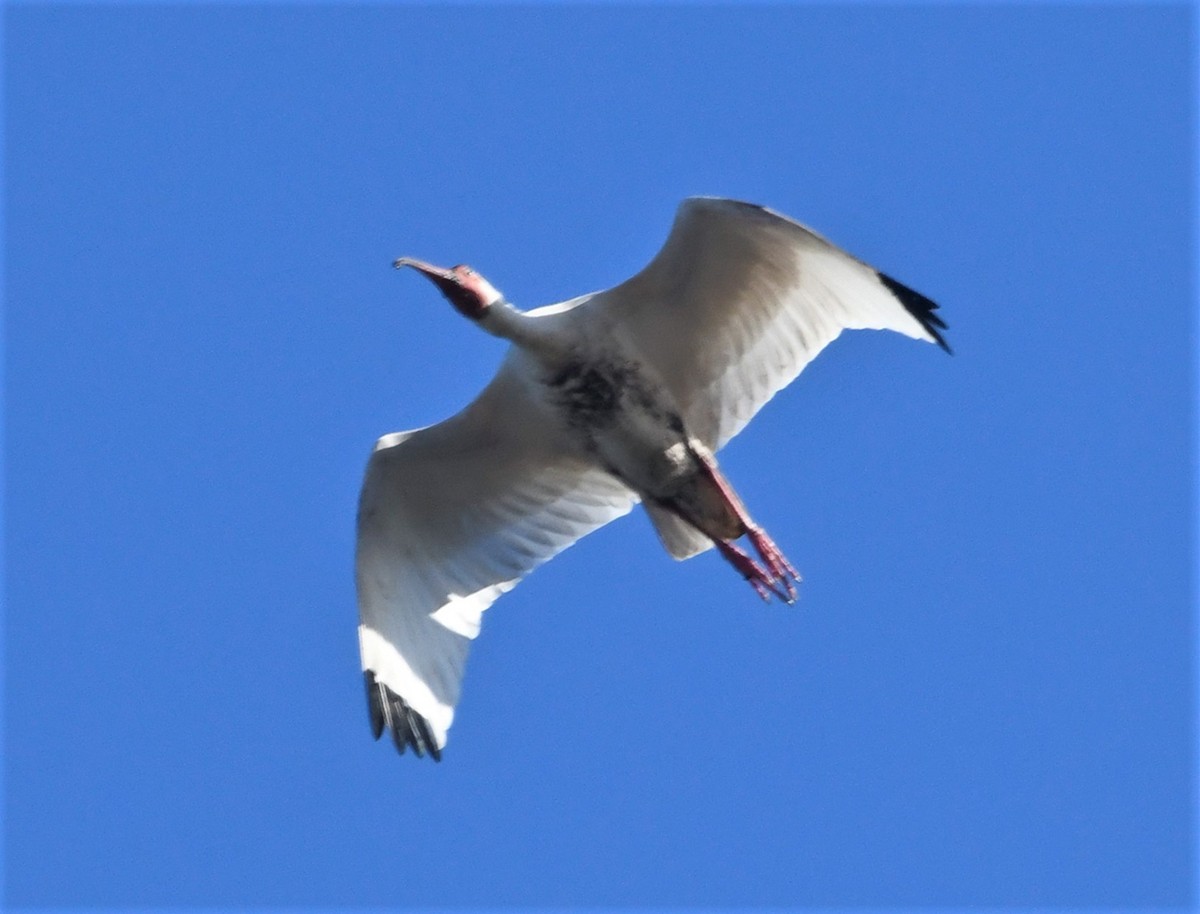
603 400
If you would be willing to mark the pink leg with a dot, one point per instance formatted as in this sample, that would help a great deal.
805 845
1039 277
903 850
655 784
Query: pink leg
778 569
775 560
763 582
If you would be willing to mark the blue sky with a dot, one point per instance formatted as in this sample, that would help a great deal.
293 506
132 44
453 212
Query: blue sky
985 695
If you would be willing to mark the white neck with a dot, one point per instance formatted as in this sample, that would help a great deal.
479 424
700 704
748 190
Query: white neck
503 320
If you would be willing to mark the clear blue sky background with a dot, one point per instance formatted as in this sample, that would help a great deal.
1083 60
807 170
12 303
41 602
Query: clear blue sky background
985 694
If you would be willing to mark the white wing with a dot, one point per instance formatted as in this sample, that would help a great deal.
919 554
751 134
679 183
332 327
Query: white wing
450 517
738 301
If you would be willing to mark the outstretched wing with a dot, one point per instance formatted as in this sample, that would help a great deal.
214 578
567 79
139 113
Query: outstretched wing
738 301
450 517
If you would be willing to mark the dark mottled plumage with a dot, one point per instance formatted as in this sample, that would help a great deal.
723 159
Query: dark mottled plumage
387 709
591 393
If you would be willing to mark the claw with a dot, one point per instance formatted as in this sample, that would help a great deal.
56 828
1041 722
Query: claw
788 596
765 582
777 564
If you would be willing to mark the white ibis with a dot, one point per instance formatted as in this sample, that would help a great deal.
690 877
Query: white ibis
602 401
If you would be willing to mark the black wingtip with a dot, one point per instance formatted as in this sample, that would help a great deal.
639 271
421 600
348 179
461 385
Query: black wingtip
918 306
408 728
374 704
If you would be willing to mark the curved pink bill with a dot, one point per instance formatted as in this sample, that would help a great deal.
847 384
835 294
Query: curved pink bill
427 268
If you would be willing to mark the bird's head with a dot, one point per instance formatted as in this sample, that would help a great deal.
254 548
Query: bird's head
469 292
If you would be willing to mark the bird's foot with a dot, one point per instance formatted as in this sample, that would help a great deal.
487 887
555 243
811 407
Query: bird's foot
777 564
764 582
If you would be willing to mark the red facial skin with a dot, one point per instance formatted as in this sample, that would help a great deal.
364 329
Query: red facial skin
469 292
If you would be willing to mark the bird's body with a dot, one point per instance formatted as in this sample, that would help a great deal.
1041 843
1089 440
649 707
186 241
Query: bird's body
617 413
602 401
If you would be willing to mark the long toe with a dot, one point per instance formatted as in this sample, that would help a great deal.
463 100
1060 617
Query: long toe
766 582
776 562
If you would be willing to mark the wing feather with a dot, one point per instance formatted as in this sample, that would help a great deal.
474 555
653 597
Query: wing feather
451 517
738 301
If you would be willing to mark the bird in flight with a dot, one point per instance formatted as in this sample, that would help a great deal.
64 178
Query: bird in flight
601 402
